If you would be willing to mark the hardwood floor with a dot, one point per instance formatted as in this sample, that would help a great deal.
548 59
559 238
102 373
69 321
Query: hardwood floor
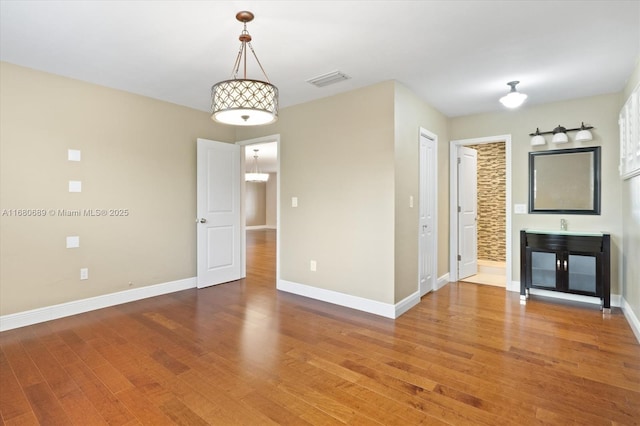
244 353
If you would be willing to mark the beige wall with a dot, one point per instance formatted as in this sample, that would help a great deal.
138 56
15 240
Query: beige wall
357 174
137 154
272 201
631 223
411 113
337 158
599 111
255 197
352 179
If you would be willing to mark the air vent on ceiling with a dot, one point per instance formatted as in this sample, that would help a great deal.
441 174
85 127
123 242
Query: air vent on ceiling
329 78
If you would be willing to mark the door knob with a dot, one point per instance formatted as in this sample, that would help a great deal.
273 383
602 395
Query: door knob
203 220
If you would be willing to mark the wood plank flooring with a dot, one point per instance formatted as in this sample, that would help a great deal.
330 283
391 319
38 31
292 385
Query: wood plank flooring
245 354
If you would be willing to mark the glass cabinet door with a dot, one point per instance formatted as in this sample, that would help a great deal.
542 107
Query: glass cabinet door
543 269
582 273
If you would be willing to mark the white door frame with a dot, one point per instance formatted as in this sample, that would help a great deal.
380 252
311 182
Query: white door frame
453 204
243 222
434 243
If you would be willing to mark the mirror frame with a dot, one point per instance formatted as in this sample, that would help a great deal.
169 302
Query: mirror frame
596 180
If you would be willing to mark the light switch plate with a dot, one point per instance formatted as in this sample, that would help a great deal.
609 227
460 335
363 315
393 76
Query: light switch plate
75 186
73 242
520 208
294 201
74 155
411 201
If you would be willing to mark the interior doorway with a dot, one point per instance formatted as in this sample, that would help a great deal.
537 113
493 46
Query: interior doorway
264 219
493 212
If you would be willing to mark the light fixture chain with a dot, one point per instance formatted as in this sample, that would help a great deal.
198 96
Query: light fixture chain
258 61
236 65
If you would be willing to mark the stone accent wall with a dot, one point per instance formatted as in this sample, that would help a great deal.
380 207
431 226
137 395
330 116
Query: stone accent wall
492 190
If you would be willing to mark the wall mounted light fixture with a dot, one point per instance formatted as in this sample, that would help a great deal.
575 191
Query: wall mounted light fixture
560 135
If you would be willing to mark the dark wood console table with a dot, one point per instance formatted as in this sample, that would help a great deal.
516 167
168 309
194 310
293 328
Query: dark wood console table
568 262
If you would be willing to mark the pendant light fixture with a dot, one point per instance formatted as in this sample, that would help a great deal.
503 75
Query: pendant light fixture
255 175
243 101
513 99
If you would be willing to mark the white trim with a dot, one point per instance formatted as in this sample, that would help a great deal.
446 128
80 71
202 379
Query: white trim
407 303
442 281
631 317
513 286
22 319
453 208
249 228
354 302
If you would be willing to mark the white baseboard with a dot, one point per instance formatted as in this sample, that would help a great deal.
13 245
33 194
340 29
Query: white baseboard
250 228
513 286
631 317
442 281
22 319
386 310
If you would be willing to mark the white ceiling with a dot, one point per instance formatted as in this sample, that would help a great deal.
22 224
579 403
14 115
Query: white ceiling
456 55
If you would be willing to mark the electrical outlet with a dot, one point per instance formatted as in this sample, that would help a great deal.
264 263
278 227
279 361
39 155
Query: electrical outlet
84 273
313 266
294 201
411 201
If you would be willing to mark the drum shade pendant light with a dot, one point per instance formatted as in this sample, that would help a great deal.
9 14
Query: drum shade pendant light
243 101
255 175
513 99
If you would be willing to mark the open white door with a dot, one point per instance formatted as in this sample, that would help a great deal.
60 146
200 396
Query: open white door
467 212
218 206
427 222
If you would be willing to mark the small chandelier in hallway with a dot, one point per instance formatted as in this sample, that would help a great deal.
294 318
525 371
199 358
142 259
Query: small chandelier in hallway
255 175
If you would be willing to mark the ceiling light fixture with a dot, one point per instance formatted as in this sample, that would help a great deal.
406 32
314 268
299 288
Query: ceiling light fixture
242 101
560 135
513 99
256 176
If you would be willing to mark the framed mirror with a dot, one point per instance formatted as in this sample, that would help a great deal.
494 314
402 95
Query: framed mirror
565 181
